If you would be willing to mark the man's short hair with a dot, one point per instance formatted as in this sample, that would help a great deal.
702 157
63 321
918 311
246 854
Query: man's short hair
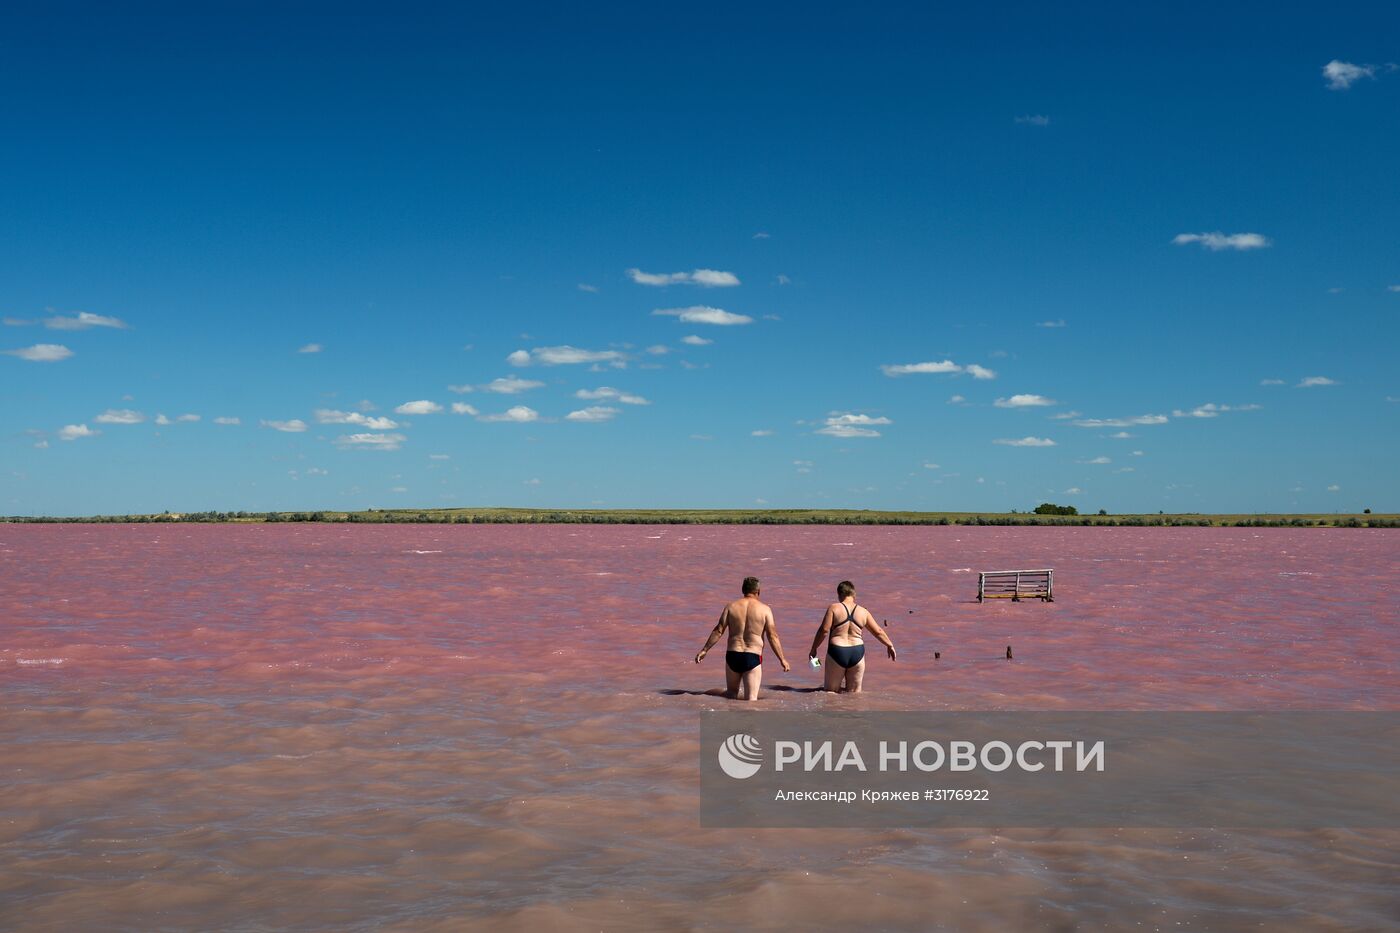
845 588
750 585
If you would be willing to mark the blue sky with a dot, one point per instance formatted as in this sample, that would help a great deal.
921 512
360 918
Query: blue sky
925 259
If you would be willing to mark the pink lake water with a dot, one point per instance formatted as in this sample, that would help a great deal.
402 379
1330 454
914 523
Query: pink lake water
435 727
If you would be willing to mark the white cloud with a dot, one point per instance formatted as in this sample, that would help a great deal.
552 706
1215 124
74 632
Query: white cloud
707 278
1334 488
658 349
1137 453
534 481
703 314
461 389
608 392
803 466
518 414
760 235
931 466
1121 435
120 416
331 416
592 413
1120 422
82 321
585 287
761 432
462 408
187 418
696 341
1027 441
161 419
311 348
1271 382
42 353
1033 119
1024 401
1217 241
1065 416
1342 75
512 385
71 432
1096 460
294 426
956 400
783 279
228 420
894 370
1056 323
847 424
564 356
1310 382
420 407
1211 410
1392 288
1072 491
370 441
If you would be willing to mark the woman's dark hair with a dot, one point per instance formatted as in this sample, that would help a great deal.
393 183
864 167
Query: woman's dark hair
750 585
845 588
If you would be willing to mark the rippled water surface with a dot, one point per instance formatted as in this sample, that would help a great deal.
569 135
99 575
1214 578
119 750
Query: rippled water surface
435 727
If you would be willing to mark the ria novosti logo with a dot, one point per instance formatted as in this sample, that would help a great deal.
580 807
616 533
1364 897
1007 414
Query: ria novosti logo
740 756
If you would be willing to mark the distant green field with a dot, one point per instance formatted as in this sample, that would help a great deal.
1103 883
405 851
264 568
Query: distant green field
748 517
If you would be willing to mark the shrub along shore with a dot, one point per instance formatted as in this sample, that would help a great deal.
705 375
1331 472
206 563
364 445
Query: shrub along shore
743 517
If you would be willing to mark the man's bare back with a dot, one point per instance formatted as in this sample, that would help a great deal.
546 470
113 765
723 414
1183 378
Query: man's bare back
745 622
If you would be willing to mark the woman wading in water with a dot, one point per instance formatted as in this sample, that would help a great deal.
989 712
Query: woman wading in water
844 627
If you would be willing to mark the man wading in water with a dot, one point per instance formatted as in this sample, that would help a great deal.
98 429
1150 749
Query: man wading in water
748 621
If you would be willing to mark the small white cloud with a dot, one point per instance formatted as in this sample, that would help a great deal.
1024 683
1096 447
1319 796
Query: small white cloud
803 466
1137 453
1120 422
1096 460
519 414
592 413
658 349
1310 382
228 420
42 445
564 356
760 235
761 432
783 280
956 400
1072 491
82 321
608 392
585 287
1342 75
42 353
696 341
512 385
461 389
331 416
420 407
703 314
1033 119
934 367
1271 382
186 418
1027 441
847 424
71 432
1218 241
1056 323
120 416
370 441
293 426
931 466
311 348
1065 416
462 408
1211 410
1024 401
534 481
162 420
707 278
1392 288
1121 435
1334 488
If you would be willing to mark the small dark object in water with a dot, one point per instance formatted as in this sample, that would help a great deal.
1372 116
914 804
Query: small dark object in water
1008 653
937 655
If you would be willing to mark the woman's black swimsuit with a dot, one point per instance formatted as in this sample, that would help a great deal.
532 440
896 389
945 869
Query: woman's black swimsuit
741 662
846 656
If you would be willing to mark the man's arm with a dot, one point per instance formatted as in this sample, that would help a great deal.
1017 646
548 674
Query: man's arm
880 636
822 631
771 630
715 635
